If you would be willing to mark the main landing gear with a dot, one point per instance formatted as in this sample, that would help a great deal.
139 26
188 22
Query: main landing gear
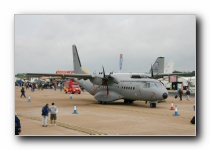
152 104
128 101
102 102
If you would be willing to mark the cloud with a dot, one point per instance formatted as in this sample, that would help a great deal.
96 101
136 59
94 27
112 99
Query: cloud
44 42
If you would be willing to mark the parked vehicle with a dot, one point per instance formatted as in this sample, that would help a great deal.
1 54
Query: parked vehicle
71 87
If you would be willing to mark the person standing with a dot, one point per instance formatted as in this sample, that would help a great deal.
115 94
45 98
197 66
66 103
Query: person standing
55 86
188 94
53 114
180 94
45 111
61 86
22 92
17 126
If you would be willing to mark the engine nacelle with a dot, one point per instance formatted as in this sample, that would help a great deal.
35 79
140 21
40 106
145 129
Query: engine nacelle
102 96
97 81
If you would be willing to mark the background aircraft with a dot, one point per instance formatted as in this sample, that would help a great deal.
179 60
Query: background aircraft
111 87
157 71
169 68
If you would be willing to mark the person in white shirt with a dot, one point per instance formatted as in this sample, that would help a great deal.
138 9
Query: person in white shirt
53 114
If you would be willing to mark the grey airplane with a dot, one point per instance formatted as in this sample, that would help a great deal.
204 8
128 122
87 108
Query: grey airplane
110 87
157 71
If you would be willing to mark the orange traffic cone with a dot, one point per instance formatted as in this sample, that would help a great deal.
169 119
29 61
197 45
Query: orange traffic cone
172 106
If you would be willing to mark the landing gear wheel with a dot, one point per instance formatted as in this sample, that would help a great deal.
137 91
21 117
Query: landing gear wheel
102 102
152 105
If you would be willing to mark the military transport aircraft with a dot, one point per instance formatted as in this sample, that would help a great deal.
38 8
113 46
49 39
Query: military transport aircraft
111 87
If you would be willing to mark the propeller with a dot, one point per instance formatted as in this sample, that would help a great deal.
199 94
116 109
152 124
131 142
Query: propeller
105 82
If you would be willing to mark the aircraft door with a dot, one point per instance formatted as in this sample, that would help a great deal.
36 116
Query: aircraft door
138 91
120 88
144 91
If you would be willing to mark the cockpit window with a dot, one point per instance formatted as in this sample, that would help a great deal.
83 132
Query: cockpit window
147 85
159 84
152 85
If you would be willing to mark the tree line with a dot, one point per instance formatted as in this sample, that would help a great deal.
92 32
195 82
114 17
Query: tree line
187 74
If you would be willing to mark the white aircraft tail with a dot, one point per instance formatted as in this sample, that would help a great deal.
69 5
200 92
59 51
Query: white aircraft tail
158 66
169 68
76 61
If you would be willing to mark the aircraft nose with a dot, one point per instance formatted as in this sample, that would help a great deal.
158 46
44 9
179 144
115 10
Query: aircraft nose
165 95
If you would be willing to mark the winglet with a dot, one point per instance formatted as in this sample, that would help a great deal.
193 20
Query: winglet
76 61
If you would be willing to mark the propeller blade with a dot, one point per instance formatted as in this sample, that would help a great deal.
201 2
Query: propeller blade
107 90
103 71
115 81
105 82
152 75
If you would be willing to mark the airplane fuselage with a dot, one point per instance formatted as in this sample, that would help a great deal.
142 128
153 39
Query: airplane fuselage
126 88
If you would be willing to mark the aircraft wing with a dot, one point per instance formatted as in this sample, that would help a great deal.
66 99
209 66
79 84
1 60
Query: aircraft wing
169 74
79 76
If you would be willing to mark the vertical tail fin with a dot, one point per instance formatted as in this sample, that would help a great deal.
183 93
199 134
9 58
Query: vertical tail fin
158 66
169 68
76 61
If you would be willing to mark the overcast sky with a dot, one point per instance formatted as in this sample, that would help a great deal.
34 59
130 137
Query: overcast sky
43 43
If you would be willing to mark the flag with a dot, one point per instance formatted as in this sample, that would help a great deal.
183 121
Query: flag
121 61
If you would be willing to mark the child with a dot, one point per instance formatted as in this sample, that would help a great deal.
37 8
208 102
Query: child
188 95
